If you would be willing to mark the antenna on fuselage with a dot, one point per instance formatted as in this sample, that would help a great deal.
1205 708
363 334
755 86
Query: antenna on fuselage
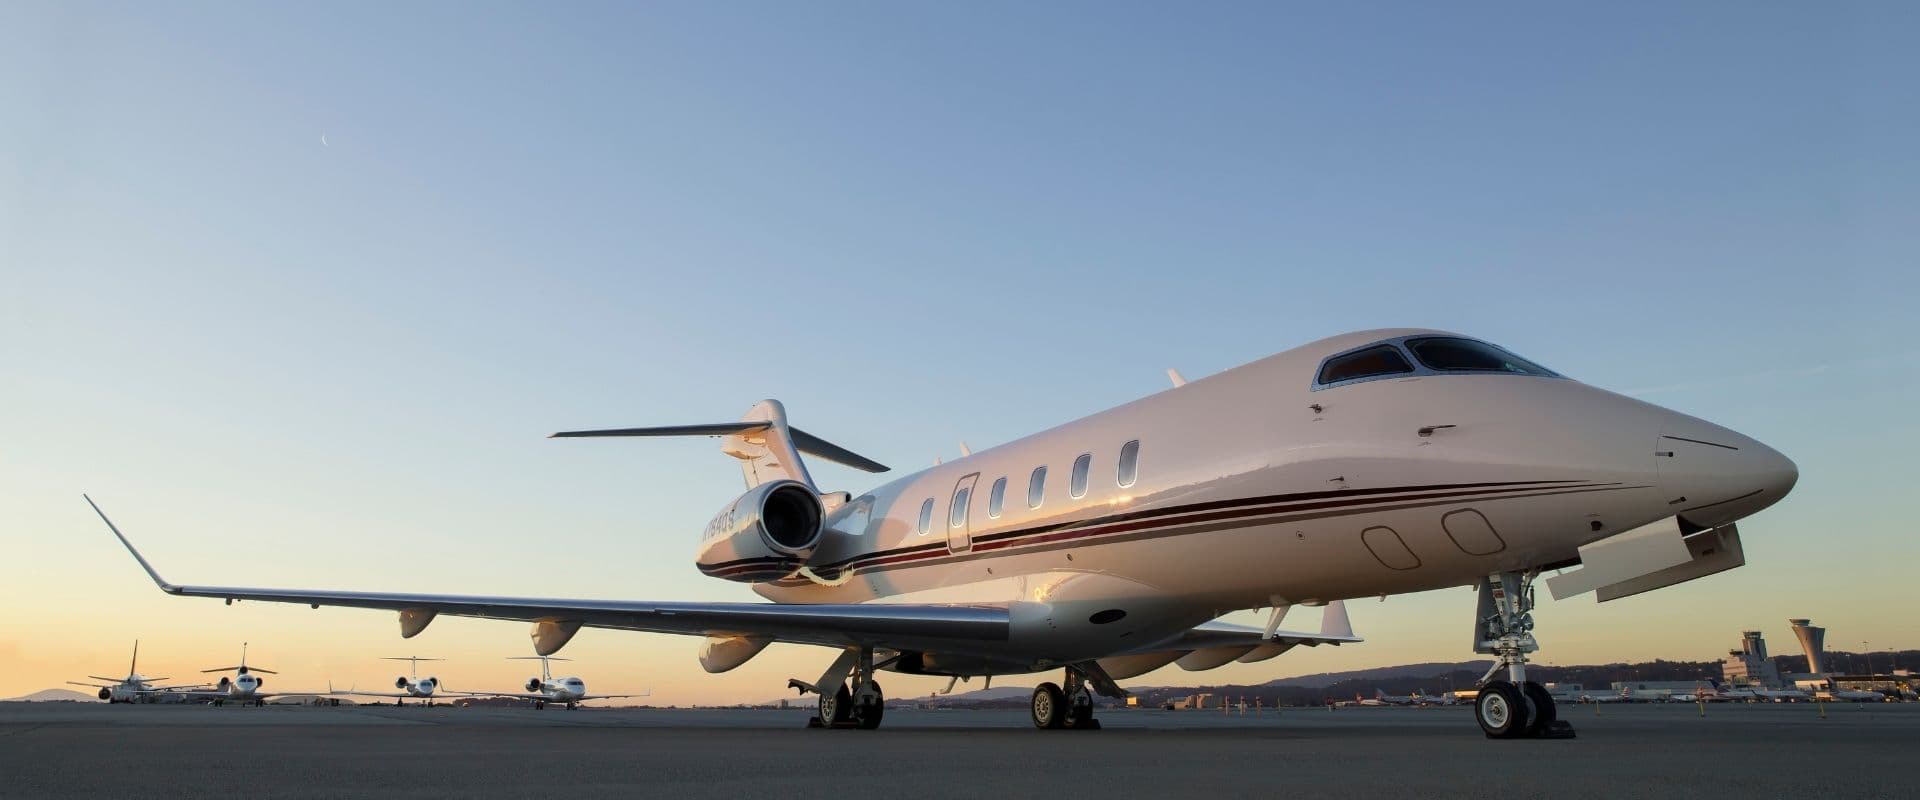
1175 376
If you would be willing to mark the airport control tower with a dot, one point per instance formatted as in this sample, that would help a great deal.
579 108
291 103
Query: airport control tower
1811 639
1749 665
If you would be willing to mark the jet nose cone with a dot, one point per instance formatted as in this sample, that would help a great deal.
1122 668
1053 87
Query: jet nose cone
1716 476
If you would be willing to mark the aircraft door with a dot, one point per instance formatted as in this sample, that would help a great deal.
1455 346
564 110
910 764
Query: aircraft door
959 515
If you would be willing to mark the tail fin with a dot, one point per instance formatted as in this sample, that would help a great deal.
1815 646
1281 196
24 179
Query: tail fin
767 447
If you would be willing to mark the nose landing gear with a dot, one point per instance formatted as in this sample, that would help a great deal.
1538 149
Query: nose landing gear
1503 627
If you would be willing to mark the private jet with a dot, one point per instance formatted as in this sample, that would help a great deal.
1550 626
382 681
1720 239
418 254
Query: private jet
411 685
242 687
569 691
133 688
1368 464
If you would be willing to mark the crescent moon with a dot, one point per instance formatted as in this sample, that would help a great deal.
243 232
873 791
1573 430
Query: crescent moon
323 141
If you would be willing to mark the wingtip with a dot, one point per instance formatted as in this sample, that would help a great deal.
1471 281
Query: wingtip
124 542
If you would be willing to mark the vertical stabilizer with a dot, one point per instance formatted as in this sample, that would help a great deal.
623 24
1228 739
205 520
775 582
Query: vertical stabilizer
767 454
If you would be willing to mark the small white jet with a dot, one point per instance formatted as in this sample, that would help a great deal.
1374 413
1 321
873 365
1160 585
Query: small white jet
1381 698
243 686
411 685
134 688
1368 464
569 691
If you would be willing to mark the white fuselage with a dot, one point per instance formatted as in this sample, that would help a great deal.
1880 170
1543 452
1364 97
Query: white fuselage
1255 487
422 687
241 686
563 690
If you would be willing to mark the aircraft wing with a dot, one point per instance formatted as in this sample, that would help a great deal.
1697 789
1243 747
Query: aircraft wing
94 685
1216 644
352 693
899 626
614 696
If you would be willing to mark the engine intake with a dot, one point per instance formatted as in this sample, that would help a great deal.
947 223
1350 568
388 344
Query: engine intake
764 535
400 682
106 694
533 684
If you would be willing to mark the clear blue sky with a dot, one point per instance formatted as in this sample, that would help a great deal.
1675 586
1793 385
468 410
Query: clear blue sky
283 362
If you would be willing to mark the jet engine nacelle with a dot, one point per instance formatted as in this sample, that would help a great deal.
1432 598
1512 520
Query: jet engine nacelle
764 535
533 684
107 695
400 682
225 682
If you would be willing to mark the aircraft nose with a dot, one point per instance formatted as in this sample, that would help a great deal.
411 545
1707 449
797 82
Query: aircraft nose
1715 476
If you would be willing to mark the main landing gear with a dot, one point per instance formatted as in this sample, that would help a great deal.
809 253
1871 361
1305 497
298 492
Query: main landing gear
861 707
1503 627
1056 708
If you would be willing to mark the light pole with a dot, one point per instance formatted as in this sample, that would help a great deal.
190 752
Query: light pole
1863 649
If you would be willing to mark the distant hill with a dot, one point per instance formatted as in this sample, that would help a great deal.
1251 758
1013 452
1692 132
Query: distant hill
54 696
1426 670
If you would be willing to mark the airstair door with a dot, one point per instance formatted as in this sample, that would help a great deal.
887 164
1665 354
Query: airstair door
959 515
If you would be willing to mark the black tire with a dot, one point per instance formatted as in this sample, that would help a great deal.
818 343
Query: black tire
867 717
1502 711
1543 711
1049 708
837 708
539 705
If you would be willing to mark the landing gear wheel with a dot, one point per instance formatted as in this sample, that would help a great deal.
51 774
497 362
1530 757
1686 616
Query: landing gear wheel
1542 704
539 705
570 706
1049 707
837 708
873 706
1502 711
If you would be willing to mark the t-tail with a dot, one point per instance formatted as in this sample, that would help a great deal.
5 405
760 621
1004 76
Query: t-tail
768 448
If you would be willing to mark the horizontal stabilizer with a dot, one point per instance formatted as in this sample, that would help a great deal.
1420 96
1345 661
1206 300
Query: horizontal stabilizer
805 442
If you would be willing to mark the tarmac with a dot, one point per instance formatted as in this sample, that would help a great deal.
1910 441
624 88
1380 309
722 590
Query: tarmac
58 750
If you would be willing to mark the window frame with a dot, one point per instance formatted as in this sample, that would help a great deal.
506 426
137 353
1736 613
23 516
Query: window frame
1126 471
1037 487
926 516
1082 473
997 497
1420 369
958 507
1407 344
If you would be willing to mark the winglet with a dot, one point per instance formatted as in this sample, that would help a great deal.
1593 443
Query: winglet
1334 622
159 581
1175 376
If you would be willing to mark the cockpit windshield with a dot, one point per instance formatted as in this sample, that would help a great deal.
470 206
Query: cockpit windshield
1450 354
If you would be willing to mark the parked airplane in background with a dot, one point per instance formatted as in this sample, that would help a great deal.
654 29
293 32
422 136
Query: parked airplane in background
243 686
411 685
570 691
131 689
1373 463
1381 698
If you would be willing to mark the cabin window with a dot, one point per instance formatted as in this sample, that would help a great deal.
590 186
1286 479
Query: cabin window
1129 463
1077 486
997 498
1453 354
957 516
1384 359
1036 487
926 516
